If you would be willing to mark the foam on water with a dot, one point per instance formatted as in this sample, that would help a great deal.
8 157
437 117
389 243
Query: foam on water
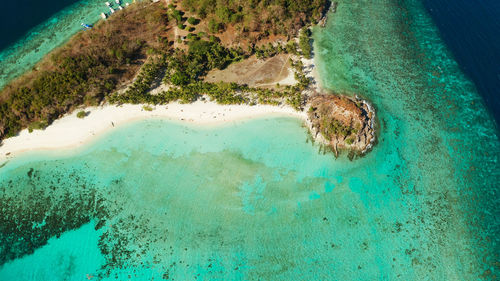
256 200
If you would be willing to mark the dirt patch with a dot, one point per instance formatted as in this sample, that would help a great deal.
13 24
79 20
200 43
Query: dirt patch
255 72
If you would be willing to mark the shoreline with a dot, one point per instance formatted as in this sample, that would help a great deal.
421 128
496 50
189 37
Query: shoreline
29 50
71 132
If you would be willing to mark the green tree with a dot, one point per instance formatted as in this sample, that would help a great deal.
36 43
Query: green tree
213 26
305 43
223 13
177 15
192 21
179 78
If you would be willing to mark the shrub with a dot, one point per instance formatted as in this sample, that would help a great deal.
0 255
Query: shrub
37 125
213 26
81 114
236 18
147 108
177 15
192 36
223 13
179 78
192 21
291 47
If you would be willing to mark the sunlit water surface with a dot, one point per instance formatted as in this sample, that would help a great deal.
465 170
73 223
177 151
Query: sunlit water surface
256 200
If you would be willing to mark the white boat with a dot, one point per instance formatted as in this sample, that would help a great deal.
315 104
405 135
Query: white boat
120 7
103 16
126 4
112 10
108 4
117 2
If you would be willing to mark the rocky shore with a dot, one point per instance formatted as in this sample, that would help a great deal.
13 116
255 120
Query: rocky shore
331 9
342 122
337 121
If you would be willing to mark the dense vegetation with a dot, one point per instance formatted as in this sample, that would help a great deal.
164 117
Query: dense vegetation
202 56
84 71
95 64
183 70
277 17
304 43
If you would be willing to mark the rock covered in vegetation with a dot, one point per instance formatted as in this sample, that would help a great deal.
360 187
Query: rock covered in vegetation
342 122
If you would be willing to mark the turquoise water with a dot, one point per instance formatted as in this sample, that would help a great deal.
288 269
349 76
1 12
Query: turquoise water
432 116
23 55
256 200
73 256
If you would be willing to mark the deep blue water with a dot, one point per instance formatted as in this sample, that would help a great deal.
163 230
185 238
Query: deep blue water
19 16
471 29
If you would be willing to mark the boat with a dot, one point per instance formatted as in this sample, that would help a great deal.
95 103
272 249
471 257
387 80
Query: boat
112 10
103 16
117 2
108 4
86 25
120 7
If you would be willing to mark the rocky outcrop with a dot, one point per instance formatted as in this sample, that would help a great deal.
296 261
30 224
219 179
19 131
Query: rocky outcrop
324 18
342 122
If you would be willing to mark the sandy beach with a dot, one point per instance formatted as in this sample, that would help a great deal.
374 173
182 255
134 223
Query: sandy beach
312 73
71 131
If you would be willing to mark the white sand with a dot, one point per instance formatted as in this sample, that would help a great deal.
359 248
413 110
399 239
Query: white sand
70 131
311 72
289 79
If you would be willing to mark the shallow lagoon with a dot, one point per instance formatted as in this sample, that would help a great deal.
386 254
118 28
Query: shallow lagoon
252 200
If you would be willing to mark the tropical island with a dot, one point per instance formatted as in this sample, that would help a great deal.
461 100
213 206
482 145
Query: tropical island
254 54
